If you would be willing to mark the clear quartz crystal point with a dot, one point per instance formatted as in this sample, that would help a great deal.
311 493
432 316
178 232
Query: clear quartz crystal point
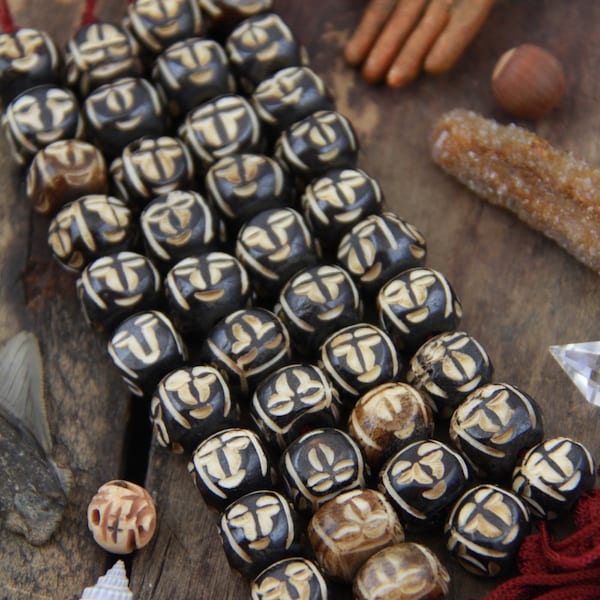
581 362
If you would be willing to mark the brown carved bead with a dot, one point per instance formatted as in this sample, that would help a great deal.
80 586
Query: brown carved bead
121 517
349 529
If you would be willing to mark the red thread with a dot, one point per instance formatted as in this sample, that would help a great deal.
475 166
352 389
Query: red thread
6 21
89 10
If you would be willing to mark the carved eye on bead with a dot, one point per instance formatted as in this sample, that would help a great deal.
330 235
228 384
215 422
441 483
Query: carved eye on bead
388 418
358 358
448 368
349 529
290 578
100 53
191 72
204 289
316 302
38 117
159 23
28 58
378 248
274 245
493 426
88 228
122 111
485 529
257 530
260 46
64 171
324 140
416 305
553 475
145 347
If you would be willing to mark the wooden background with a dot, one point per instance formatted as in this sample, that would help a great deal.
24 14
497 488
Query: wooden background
520 292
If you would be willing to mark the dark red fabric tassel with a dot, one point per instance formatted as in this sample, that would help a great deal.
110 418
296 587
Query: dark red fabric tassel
6 21
89 11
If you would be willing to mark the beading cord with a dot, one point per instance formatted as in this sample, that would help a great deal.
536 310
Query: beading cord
89 13
6 20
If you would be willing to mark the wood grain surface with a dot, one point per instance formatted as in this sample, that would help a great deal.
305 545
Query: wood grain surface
520 292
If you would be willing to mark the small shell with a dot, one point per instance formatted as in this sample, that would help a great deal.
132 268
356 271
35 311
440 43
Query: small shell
113 585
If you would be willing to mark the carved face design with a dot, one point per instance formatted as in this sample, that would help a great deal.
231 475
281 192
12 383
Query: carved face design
26 49
242 8
290 579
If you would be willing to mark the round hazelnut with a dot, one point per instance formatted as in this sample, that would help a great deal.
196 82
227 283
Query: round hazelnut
528 81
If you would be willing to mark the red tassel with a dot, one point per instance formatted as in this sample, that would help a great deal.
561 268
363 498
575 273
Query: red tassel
6 21
89 10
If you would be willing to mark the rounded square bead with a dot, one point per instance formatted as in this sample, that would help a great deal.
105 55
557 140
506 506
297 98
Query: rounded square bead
290 579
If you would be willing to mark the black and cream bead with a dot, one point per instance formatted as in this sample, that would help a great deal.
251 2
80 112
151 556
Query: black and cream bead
380 247
258 530
191 72
100 53
322 141
493 426
447 368
316 302
39 116
90 227
260 46
274 245
292 401
201 290
145 347
122 111
415 305
221 127
159 23
293 578
358 358
485 529
319 465
190 404
242 185
247 345
553 475
422 481
231 12
177 225
116 286
388 418
28 58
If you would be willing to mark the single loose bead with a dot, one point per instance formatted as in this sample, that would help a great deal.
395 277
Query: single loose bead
145 347
191 72
115 286
88 228
28 58
190 404
380 247
228 12
493 426
274 245
318 466
316 302
485 529
100 53
448 368
358 358
349 529
177 225
122 111
334 202
260 46
203 289
322 141
293 578
121 517
229 464
421 481
257 530
292 401
64 171
406 571
159 23
388 418
247 345
553 475
38 117
415 305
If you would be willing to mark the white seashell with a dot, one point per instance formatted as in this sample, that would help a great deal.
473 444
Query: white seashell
113 585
